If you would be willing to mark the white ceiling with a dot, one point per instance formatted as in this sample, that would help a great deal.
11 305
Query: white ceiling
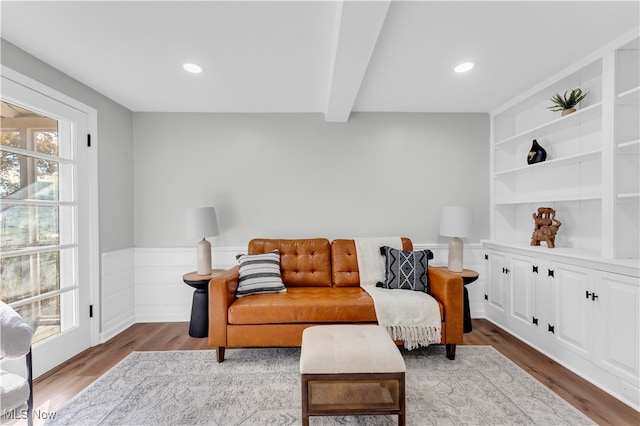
330 57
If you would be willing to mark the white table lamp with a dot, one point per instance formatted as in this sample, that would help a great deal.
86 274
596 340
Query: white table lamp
455 222
201 223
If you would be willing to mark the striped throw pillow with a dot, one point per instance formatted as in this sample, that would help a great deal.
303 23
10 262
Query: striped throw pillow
259 273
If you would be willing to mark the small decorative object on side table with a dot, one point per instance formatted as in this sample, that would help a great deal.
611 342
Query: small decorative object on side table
199 324
468 276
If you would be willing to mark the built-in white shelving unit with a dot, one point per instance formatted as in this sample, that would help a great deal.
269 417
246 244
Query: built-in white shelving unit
591 173
591 178
627 152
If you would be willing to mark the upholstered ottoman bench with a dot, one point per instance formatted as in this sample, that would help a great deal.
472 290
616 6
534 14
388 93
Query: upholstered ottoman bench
351 370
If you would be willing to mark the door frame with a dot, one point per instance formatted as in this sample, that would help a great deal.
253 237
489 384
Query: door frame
92 204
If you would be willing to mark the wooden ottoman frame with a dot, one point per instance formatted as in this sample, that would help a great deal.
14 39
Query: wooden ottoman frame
329 390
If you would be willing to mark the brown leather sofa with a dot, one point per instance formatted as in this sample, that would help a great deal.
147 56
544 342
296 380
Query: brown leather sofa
323 287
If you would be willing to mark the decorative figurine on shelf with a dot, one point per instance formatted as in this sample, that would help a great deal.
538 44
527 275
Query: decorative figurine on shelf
537 154
546 227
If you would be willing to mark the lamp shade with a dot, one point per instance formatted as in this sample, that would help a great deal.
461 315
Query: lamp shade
455 222
202 222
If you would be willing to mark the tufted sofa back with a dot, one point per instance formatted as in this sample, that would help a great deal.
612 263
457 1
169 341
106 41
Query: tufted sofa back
303 262
315 262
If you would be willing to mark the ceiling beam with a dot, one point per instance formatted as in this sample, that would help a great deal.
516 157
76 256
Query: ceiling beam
357 27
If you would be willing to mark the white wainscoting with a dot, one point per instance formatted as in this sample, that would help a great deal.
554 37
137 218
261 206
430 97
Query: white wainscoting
145 284
117 301
161 295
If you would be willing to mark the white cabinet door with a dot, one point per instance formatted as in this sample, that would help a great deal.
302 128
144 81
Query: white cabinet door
575 299
497 293
522 281
583 317
544 299
618 318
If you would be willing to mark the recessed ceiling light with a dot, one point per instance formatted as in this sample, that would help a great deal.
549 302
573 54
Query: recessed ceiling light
192 68
463 67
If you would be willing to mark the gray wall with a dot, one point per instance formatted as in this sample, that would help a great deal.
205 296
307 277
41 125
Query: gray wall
114 144
295 175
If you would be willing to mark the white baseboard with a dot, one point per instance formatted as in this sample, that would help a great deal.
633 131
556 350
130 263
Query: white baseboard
118 325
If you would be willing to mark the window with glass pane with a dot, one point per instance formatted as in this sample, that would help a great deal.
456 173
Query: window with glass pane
36 245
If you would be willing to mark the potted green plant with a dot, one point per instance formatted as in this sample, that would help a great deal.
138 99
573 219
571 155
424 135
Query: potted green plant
565 103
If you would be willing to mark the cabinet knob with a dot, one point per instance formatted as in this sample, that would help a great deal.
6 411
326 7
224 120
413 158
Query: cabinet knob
486 297
551 328
594 296
535 321
551 272
535 268
486 257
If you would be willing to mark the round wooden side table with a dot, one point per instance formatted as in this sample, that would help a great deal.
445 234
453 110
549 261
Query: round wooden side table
199 324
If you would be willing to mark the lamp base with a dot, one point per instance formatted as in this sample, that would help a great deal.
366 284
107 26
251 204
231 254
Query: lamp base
455 255
204 257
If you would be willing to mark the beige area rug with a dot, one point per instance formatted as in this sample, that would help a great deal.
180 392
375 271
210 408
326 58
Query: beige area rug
262 387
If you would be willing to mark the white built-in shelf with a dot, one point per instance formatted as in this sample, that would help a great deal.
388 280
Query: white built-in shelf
630 145
589 113
628 195
559 253
629 97
542 249
562 161
540 200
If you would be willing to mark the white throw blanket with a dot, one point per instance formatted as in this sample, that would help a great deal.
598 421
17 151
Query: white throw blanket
411 316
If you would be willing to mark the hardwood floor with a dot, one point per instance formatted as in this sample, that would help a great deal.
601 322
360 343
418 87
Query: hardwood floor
53 390
598 405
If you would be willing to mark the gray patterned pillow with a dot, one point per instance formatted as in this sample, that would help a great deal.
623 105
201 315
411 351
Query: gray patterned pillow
259 273
406 270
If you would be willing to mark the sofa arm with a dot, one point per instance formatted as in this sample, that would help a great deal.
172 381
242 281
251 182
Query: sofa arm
222 293
448 289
